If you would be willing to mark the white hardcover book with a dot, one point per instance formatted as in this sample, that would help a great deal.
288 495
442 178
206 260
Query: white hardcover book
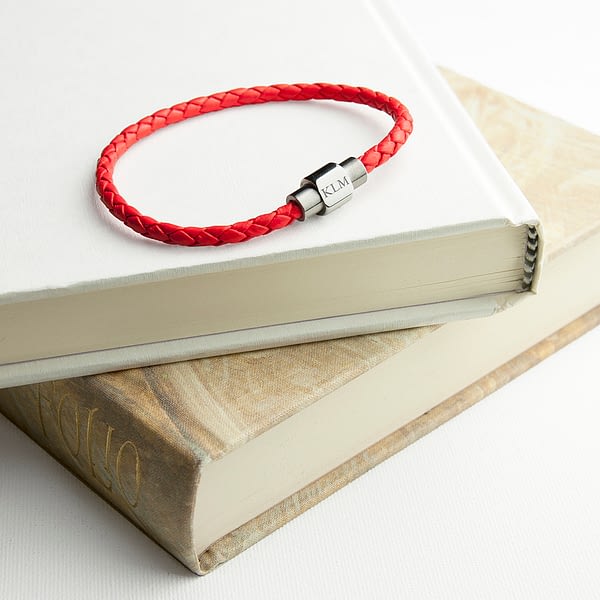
438 233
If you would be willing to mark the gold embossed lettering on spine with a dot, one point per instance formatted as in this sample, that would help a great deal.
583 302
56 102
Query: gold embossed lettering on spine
131 461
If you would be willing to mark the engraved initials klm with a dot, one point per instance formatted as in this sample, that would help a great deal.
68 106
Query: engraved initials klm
334 187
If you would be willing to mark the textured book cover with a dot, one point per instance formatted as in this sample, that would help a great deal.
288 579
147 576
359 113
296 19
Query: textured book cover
66 263
143 438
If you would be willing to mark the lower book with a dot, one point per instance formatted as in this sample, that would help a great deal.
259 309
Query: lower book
211 455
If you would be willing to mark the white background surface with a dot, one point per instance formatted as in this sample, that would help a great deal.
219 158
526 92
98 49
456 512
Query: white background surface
503 501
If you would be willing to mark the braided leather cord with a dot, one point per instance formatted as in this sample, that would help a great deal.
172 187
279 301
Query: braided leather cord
283 216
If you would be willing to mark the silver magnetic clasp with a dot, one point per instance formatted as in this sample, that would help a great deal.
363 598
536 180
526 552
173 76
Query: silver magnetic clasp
328 187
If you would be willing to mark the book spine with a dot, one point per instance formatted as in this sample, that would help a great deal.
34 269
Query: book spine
148 476
532 258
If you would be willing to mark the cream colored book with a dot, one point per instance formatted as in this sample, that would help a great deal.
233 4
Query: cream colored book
438 233
209 456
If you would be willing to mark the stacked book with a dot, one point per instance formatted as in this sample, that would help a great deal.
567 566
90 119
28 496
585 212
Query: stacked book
211 395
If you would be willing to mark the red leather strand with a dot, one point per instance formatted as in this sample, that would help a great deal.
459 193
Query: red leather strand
244 230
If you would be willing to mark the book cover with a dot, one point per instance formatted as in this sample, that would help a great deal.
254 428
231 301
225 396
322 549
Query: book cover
66 263
147 440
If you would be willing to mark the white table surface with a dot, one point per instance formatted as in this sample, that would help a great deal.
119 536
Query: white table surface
501 502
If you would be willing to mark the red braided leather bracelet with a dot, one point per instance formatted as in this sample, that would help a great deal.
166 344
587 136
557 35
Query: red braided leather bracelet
323 191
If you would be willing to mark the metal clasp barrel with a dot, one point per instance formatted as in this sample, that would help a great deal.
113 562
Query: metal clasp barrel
329 187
